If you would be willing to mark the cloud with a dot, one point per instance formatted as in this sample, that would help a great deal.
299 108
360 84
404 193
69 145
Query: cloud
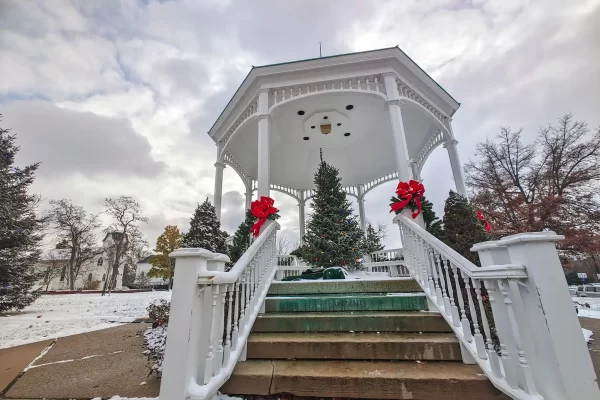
116 98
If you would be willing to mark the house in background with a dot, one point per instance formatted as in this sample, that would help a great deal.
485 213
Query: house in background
142 280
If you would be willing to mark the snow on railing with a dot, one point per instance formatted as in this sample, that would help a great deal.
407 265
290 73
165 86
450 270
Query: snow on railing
212 313
390 261
513 316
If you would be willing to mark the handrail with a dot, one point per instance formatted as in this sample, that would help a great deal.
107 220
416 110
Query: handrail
219 277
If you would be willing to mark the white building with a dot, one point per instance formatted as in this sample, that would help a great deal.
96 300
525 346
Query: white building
94 270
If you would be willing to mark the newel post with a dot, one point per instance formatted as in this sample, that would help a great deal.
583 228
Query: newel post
562 358
182 353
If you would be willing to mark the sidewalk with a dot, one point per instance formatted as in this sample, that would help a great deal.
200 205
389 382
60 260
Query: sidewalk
102 363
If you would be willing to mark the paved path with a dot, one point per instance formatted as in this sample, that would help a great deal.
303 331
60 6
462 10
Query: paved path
594 346
102 363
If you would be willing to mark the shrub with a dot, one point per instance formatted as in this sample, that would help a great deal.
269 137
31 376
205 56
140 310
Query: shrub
155 340
159 312
91 284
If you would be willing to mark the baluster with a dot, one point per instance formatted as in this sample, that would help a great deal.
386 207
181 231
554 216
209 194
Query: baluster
477 335
358 83
461 301
428 268
438 290
282 94
491 352
307 89
243 306
341 85
455 317
508 290
218 362
438 263
275 99
208 370
316 88
377 84
349 83
227 349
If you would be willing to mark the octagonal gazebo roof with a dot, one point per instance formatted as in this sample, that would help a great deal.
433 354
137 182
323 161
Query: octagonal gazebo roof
347 92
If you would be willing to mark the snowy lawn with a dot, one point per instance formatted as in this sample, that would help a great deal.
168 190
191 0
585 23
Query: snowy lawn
588 306
53 316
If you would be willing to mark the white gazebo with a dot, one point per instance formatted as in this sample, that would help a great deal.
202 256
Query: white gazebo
376 115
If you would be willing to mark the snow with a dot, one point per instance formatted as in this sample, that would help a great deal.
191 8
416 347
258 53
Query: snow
587 334
53 316
588 306
219 397
155 342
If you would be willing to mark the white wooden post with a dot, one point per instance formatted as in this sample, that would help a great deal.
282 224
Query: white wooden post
218 195
248 198
399 136
301 216
562 360
217 263
457 173
264 176
361 208
182 353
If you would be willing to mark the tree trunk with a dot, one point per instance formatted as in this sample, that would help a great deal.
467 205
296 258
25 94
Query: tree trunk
72 265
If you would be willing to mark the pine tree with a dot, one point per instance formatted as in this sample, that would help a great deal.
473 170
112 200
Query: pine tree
20 229
241 238
333 235
462 229
433 224
205 230
373 238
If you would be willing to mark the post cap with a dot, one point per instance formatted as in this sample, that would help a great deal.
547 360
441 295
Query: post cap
547 236
220 257
489 245
192 252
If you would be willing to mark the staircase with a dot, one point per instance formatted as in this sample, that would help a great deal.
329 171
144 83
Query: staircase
355 339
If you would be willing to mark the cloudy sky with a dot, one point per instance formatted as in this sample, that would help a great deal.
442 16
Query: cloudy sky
115 97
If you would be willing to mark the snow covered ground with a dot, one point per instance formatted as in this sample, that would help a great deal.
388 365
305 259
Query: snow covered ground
593 311
53 316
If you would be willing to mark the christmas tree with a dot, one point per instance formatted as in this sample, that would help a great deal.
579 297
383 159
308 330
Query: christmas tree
241 238
373 238
20 230
462 229
433 224
333 235
205 230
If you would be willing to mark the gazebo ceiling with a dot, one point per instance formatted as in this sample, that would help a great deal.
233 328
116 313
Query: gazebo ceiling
338 105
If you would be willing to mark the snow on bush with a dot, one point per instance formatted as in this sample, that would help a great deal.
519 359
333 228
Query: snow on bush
155 338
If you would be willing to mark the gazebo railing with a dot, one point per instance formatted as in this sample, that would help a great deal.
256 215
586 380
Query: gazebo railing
212 313
513 316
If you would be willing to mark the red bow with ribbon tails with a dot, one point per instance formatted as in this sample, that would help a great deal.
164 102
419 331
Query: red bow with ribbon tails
261 209
484 221
406 192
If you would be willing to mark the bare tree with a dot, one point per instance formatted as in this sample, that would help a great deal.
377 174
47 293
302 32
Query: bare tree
124 230
550 184
75 229
283 244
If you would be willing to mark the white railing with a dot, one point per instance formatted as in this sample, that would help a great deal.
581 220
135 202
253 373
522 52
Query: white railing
212 313
390 261
288 265
513 316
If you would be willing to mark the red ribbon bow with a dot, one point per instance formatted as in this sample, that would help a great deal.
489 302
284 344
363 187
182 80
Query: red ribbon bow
482 219
261 209
412 190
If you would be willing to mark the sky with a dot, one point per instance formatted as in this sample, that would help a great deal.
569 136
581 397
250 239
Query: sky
116 97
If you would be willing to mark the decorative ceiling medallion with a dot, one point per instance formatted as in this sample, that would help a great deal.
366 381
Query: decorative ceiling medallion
326 129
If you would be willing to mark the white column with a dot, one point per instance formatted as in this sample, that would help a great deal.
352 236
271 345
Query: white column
459 181
399 135
248 197
183 354
264 173
218 195
361 208
301 217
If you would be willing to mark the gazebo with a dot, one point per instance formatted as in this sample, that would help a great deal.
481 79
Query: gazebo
376 115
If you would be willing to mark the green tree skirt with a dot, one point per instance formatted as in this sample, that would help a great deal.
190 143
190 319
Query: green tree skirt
316 273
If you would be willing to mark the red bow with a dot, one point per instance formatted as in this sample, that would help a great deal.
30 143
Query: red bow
412 190
482 219
261 209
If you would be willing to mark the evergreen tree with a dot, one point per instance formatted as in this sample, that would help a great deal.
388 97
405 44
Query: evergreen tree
241 238
20 229
205 230
373 238
462 229
433 224
333 235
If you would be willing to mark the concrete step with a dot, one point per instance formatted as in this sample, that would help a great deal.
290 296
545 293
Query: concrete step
380 321
347 302
354 346
361 379
394 285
